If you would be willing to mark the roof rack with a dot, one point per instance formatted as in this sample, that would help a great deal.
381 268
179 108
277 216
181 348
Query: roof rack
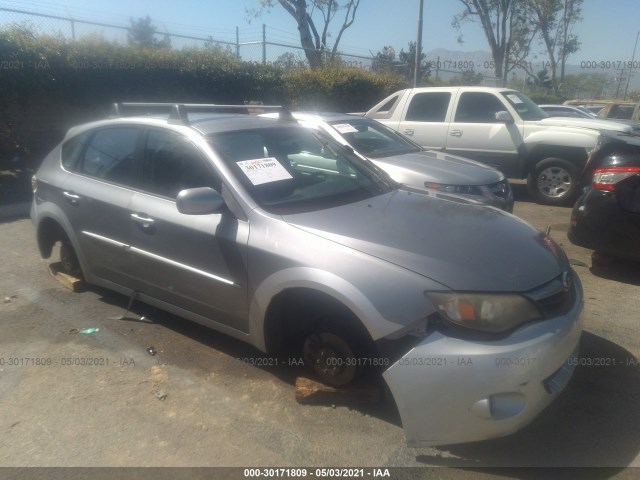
179 112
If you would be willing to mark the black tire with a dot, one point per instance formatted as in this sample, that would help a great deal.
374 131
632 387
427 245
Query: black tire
553 181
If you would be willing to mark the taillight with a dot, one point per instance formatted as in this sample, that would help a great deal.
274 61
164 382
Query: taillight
34 184
606 178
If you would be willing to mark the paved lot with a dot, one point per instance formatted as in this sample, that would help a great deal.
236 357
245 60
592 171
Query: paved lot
92 400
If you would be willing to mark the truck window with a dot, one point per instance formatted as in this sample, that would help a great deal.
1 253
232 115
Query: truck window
622 112
478 107
429 107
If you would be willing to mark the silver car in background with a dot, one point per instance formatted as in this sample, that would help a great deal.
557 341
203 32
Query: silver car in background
410 164
277 235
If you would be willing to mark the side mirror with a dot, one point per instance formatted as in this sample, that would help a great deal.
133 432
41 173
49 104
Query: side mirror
199 201
504 117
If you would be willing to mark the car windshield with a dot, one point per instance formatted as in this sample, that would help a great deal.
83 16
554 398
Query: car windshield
525 107
294 169
372 138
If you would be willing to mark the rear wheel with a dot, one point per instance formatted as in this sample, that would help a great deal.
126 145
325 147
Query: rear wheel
553 181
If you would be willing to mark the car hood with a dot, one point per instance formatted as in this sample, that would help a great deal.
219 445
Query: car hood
600 124
464 247
437 167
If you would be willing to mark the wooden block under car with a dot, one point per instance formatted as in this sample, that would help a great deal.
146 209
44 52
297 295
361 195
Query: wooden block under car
73 283
310 391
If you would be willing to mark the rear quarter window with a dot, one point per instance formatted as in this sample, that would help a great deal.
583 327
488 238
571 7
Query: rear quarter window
72 150
110 155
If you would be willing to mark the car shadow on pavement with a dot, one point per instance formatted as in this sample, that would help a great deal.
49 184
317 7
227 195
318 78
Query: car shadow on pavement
617 269
286 364
593 423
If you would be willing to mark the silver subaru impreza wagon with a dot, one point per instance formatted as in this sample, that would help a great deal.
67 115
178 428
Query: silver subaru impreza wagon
278 235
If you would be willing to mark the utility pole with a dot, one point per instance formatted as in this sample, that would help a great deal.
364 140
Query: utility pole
416 72
633 57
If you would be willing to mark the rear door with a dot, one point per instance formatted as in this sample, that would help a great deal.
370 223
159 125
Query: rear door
475 133
195 262
425 120
96 196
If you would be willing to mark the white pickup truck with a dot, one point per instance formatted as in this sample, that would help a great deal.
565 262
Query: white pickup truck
502 128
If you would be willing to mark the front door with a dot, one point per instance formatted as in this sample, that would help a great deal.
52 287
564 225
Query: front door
475 133
195 262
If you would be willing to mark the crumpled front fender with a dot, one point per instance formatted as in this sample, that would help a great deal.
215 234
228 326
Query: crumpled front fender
450 390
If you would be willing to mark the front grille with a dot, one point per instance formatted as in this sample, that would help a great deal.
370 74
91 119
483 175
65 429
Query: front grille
555 298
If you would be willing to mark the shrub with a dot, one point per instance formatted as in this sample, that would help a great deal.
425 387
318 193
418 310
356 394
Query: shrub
58 83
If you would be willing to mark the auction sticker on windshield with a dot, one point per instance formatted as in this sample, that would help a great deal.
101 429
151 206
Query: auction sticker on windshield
345 128
514 98
264 170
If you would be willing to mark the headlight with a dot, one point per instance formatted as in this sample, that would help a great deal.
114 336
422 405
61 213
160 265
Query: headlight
485 312
457 189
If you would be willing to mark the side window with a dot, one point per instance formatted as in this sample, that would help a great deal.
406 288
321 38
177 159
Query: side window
110 155
72 150
172 163
429 107
622 112
478 107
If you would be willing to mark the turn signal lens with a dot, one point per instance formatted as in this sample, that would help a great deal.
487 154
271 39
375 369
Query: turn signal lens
34 184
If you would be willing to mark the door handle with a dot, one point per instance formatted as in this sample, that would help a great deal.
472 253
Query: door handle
455 133
409 132
71 197
145 222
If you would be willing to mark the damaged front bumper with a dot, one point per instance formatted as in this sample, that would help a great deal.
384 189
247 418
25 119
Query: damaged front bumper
450 390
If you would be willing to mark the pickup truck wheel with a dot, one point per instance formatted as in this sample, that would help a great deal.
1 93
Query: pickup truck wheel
553 181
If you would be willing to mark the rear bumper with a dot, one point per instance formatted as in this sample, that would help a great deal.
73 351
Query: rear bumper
599 223
450 390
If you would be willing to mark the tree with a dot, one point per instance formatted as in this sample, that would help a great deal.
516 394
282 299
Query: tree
555 32
142 34
408 59
508 34
314 41
541 79
384 60
588 85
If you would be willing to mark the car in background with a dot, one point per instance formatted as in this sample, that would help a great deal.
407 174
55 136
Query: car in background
279 236
611 109
568 111
593 106
582 112
606 218
621 110
410 164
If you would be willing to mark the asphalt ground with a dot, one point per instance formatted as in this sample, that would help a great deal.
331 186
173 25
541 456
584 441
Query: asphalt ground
205 400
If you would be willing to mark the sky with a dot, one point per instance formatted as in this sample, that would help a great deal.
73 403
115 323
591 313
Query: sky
607 33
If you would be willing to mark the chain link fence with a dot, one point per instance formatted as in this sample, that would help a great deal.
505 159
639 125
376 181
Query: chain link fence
254 46
259 50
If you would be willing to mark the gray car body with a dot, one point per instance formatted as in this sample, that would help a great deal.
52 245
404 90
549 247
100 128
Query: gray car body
416 168
376 257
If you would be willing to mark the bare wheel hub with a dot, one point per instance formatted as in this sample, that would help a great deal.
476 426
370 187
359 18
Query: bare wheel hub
331 358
